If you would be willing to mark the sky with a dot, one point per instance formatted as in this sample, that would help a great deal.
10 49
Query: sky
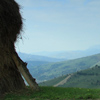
59 25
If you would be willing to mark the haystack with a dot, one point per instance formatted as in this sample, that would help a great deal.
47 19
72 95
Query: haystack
10 27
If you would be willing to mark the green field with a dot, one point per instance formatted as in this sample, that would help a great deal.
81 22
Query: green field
55 93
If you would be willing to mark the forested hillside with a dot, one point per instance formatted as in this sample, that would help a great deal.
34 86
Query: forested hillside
52 70
89 78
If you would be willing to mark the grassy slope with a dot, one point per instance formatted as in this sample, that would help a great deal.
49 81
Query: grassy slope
51 93
89 78
52 70
53 81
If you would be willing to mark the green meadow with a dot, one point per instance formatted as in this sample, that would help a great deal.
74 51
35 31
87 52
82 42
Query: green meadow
55 93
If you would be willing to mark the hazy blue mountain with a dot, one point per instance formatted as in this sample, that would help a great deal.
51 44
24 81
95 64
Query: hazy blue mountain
30 64
30 57
71 54
42 68
50 70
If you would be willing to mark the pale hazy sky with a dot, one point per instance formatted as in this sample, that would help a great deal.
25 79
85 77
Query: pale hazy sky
59 25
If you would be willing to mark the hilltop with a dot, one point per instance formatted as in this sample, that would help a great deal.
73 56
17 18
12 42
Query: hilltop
31 57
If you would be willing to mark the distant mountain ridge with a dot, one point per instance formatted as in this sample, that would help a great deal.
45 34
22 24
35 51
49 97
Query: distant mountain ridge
59 55
50 70
46 68
30 57
71 54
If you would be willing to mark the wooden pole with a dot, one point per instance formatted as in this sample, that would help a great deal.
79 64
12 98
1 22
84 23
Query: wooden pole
25 72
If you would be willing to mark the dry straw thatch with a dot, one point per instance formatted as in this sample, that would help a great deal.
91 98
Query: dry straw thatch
10 27
10 21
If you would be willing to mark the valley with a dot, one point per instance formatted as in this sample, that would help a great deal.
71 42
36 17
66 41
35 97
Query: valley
44 70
